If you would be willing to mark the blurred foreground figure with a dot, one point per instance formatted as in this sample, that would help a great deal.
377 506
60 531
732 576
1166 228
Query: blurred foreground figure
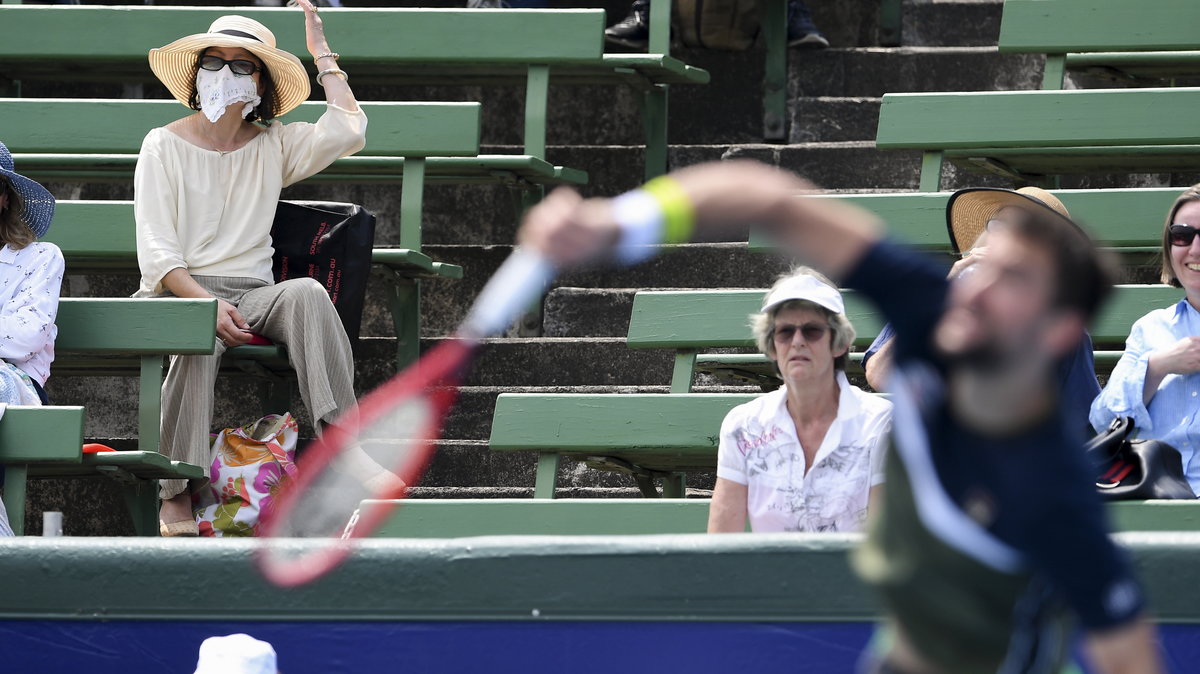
990 534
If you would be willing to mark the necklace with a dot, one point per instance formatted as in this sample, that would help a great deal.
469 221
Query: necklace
212 144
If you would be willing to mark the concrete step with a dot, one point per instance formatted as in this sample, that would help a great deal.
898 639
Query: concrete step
834 119
938 23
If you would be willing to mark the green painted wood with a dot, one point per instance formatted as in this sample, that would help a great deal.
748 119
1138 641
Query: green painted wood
1052 73
16 477
654 116
150 378
705 319
1137 65
1155 515
52 125
452 518
660 27
136 326
49 434
1034 163
654 431
775 77
82 35
546 481
1123 219
691 578
122 465
1124 117
1098 25
537 92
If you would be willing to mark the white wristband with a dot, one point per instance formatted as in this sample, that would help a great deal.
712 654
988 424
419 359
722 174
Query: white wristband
642 225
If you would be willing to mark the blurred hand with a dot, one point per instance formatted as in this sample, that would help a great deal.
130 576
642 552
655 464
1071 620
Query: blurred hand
972 257
568 230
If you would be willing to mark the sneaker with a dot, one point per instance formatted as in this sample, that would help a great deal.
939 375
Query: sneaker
802 32
634 30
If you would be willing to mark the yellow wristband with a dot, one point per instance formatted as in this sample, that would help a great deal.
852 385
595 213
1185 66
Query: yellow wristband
678 214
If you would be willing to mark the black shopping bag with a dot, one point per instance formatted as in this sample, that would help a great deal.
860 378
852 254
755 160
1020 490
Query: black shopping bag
330 242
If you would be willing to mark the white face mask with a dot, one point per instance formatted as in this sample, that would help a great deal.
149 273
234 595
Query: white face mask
220 89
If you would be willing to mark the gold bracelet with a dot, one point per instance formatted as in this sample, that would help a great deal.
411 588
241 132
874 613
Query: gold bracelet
678 213
331 71
329 54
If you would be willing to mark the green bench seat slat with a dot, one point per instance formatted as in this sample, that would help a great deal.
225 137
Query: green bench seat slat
141 465
658 432
136 326
696 319
1077 118
1128 220
41 434
1146 65
1098 25
394 129
453 518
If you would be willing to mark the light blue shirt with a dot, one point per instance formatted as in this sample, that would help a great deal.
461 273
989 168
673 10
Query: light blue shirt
1174 412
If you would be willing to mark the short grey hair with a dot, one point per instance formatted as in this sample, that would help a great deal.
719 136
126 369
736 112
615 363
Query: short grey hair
762 325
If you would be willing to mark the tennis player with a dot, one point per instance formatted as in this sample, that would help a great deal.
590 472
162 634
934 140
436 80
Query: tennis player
990 537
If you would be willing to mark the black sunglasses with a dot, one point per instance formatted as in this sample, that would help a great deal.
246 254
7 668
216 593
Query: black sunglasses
236 66
811 332
1182 235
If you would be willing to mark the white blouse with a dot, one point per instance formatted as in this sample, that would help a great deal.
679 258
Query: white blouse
30 283
210 212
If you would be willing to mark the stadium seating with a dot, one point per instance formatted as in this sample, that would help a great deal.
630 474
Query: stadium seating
654 436
1034 136
390 46
1136 42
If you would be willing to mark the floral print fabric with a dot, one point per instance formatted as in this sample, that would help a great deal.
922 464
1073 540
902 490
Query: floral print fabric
251 467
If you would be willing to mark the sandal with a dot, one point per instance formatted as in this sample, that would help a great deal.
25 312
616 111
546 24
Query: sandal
187 528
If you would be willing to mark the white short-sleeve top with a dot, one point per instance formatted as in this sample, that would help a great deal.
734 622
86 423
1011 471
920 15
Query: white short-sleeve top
210 212
760 449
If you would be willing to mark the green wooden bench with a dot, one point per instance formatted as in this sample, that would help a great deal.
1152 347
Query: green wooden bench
657 436
1144 41
456 518
99 236
1126 221
111 337
384 46
1035 136
409 143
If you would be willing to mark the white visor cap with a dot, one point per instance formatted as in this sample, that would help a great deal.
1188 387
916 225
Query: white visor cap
804 287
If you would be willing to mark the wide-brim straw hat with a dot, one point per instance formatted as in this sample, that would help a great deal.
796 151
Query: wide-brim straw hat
39 203
968 211
175 64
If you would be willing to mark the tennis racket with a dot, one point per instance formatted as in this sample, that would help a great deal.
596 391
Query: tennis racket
384 444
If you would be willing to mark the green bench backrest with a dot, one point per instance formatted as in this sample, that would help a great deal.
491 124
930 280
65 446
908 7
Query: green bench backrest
44 37
117 126
1058 26
102 233
1006 119
685 423
452 518
1124 219
704 319
135 326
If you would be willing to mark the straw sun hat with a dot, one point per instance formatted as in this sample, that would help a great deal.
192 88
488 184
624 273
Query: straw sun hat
175 64
968 211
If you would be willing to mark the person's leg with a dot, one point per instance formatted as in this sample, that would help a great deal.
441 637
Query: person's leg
802 32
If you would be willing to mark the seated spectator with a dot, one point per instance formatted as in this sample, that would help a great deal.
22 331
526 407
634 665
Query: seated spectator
634 30
808 456
1156 380
31 274
968 217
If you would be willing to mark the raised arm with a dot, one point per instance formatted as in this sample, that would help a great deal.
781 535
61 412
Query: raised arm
337 86
829 236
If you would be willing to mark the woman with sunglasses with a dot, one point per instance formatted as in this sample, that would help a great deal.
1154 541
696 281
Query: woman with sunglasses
205 191
1157 380
809 455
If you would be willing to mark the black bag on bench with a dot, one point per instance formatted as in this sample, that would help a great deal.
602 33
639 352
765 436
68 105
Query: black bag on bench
330 242
1136 469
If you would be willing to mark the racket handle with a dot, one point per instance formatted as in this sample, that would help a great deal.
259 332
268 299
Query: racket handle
516 284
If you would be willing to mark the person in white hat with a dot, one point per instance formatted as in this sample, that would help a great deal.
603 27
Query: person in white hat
236 654
31 274
205 192
809 455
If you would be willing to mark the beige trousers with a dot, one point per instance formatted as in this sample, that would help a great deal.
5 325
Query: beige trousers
296 313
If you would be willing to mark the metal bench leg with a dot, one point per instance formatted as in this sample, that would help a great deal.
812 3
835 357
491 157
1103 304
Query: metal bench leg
889 23
141 499
931 171
150 403
405 301
654 115
775 82
547 475
15 477
645 482
1054 72
675 485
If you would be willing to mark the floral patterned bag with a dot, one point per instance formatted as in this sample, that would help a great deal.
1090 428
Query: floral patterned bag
251 467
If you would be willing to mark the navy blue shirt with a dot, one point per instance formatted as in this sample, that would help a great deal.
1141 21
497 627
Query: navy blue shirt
1033 491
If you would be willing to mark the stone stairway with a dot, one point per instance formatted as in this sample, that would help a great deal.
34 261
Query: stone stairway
835 94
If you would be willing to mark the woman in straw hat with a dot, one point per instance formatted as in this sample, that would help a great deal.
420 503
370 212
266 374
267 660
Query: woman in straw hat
31 274
205 192
808 456
1157 380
